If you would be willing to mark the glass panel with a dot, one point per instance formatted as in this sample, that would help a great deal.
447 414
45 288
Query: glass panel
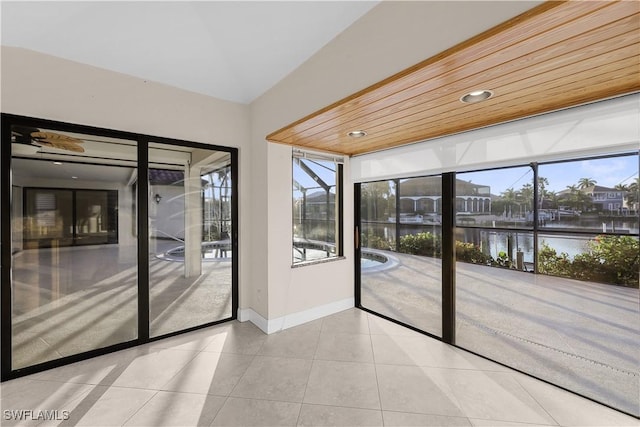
402 279
70 190
506 249
590 195
189 237
96 217
579 334
576 324
501 198
378 212
314 209
606 259
48 214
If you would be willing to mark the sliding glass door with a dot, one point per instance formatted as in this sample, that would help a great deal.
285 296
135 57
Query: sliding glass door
401 234
109 240
74 271
190 226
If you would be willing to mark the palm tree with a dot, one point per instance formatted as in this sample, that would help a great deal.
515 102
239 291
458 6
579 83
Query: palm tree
573 197
509 196
542 186
526 194
376 195
553 198
586 182
633 195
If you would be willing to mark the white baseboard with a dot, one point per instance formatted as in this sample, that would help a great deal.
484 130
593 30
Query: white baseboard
269 326
247 314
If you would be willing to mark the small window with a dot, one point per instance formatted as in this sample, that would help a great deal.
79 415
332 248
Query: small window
317 210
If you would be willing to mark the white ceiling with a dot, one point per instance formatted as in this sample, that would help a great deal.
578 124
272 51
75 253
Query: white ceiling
232 50
28 171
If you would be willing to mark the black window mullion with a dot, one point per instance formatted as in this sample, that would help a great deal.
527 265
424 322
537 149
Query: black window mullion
340 207
536 221
397 183
5 231
143 240
74 218
234 234
448 258
357 199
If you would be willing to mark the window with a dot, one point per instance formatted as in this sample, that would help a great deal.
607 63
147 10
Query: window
317 210
68 217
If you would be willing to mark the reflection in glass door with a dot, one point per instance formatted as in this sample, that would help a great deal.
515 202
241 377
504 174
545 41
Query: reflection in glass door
400 253
109 240
190 229
66 298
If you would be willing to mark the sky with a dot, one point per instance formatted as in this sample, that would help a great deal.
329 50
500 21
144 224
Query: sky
606 172
324 169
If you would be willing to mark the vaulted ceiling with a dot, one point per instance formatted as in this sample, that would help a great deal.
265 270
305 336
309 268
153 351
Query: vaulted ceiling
231 50
557 55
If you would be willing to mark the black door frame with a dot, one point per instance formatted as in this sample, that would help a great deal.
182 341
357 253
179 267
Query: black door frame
7 120
448 262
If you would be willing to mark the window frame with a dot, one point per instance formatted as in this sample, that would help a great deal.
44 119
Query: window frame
338 229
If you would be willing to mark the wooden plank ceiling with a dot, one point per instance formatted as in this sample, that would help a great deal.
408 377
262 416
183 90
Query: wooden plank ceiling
557 55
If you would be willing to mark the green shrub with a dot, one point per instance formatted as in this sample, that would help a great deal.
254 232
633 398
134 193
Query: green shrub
611 259
549 262
370 240
429 244
468 252
421 244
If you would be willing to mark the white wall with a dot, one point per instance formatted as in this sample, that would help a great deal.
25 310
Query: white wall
42 86
388 39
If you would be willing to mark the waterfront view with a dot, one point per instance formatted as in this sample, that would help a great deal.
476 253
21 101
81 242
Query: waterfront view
503 216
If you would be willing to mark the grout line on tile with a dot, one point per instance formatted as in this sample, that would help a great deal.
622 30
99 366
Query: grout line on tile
518 423
253 358
375 370
515 378
140 408
315 352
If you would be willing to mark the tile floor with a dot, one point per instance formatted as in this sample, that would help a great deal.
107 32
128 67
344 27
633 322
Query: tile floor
348 369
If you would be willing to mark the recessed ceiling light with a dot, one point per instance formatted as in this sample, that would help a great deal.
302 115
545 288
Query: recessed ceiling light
357 133
57 163
476 96
74 177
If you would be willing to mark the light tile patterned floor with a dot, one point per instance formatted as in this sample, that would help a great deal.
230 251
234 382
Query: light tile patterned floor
348 369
